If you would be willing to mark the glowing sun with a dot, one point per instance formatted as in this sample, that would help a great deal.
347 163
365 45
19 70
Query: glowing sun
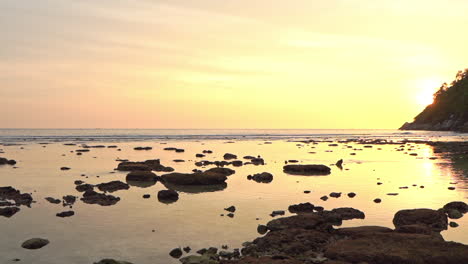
426 90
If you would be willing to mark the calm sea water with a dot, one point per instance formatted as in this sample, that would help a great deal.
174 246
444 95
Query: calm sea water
125 231
116 135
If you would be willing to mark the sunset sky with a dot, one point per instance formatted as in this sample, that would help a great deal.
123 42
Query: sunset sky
225 64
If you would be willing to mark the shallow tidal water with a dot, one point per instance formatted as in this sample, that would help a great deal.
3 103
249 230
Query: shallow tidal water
124 231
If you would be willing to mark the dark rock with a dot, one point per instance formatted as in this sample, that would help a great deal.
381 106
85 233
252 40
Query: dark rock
146 196
237 163
112 261
187 249
145 176
257 161
277 212
10 193
112 186
69 199
179 150
335 194
348 213
262 229
9 211
143 148
168 196
307 169
78 182
231 209
66 214
389 248
176 253
324 198
462 207
92 197
133 166
170 149
453 214
339 164
84 187
453 224
415 229
229 156
4 161
351 195
35 243
377 200
53 200
263 177
437 220
199 155
208 177
64 168
301 208
301 221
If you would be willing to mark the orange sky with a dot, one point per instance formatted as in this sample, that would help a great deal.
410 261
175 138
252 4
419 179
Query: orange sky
225 64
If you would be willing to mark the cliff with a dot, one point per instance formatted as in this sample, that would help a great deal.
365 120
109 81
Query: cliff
449 111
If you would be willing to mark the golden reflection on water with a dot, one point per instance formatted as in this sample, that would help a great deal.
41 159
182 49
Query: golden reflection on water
124 231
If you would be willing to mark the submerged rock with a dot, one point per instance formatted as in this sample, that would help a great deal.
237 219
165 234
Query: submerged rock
35 243
312 169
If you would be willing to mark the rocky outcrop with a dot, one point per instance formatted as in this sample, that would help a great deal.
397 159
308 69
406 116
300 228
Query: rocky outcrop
311 238
449 111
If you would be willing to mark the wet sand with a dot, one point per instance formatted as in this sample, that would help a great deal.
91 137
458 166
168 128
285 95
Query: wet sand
125 230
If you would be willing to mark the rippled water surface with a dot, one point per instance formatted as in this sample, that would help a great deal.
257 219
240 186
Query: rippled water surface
124 231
